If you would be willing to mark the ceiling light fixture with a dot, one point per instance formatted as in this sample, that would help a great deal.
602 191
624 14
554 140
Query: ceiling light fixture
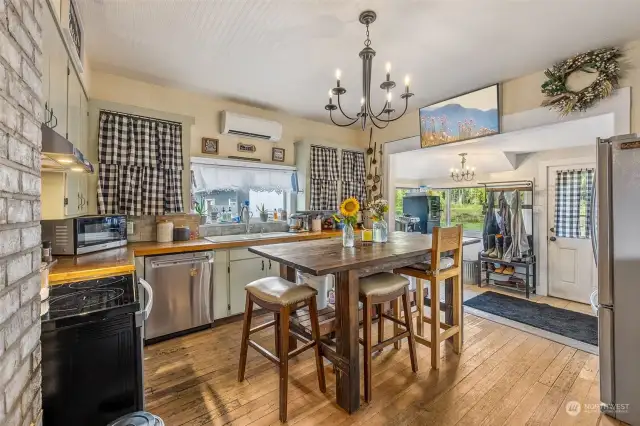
379 120
465 173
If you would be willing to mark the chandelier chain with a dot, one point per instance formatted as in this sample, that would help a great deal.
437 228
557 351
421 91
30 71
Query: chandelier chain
367 42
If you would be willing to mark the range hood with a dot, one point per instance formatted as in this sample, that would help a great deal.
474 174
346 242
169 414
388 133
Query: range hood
58 154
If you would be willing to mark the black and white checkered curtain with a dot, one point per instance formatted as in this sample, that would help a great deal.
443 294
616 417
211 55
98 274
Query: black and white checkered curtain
590 174
325 174
571 194
353 176
140 165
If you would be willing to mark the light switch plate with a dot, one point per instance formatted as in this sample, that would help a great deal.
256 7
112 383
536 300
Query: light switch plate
130 227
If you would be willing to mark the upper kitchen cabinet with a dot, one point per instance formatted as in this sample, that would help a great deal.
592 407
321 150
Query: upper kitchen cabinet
58 81
74 111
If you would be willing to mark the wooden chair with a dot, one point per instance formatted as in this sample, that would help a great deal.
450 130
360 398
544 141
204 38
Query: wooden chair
379 289
281 297
439 268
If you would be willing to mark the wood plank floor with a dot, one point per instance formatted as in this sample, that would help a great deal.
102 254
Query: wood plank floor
503 377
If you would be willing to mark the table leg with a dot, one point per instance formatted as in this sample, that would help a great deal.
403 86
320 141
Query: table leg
289 274
347 347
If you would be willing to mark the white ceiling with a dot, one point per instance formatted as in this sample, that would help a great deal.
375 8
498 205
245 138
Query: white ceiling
496 153
282 54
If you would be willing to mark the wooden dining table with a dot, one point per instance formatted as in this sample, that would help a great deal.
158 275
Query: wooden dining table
322 257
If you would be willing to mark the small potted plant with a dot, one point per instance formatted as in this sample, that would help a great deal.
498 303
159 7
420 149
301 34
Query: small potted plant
264 214
200 209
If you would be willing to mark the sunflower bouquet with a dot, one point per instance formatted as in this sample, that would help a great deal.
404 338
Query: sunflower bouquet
348 212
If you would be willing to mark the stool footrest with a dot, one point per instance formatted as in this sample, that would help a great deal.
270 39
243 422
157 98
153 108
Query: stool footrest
449 332
265 353
393 319
302 348
389 341
262 327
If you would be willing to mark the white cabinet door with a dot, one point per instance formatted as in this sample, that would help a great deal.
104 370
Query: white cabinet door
242 272
84 124
58 83
272 268
49 32
74 106
72 186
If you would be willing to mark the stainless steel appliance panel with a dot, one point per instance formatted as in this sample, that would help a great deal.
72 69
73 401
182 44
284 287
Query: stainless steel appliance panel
183 290
625 182
606 350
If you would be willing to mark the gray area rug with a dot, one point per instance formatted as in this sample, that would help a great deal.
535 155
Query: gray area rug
574 325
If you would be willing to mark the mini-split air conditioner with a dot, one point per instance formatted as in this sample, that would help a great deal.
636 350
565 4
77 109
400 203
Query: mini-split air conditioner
249 127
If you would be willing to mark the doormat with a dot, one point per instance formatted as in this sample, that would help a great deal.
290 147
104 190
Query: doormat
574 325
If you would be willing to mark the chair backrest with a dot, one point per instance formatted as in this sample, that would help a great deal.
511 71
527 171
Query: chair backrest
446 240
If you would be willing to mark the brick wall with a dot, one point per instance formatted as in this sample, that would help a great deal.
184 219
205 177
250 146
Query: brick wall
21 113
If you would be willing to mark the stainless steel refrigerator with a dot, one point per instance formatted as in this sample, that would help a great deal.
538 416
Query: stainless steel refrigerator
617 248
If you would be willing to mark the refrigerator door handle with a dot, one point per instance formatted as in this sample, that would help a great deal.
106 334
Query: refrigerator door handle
592 219
605 346
605 275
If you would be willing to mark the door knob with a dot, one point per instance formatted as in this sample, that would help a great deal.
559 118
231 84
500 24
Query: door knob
552 238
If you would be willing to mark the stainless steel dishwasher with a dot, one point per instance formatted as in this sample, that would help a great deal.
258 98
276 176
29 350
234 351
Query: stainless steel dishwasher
182 293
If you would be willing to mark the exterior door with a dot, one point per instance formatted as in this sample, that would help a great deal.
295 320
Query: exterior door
571 266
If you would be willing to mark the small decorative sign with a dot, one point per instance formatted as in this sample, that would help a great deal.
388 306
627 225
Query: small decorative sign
209 146
245 147
277 154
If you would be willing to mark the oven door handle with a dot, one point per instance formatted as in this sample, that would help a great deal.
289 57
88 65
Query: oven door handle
149 305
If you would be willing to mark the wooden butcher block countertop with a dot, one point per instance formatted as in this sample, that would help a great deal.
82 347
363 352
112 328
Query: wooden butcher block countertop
121 261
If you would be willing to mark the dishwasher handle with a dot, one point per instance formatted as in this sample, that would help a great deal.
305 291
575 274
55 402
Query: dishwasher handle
166 263
149 305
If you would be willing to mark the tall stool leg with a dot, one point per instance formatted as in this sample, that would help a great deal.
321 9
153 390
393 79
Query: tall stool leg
435 323
457 314
367 347
285 312
396 327
420 306
380 323
315 332
409 324
244 344
276 332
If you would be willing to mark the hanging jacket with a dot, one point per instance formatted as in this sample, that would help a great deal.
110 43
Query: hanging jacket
490 222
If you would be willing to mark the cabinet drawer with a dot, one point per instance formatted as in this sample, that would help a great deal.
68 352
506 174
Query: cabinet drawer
240 254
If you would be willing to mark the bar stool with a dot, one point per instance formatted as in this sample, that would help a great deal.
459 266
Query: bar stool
379 289
281 297
435 270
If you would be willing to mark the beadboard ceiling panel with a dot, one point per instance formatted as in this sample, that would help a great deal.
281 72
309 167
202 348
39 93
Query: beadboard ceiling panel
282 54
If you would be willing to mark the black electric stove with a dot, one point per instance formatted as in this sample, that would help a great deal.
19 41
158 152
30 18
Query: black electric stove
90 300
92 352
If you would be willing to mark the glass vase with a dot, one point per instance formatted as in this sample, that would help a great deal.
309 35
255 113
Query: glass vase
348 236
380 231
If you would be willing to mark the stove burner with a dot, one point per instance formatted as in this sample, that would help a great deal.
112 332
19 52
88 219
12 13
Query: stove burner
81 300
97 283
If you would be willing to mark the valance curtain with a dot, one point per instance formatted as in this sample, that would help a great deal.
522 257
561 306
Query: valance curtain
353 176
573 191
140 165
225 178
325 174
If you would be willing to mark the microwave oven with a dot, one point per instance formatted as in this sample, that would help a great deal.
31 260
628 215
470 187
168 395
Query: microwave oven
86 234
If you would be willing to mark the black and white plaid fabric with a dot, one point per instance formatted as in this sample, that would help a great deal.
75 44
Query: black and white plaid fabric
140 166
353 176
568 193
325 174
590 174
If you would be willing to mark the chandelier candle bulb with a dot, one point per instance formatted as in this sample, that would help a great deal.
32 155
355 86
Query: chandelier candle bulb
361 101
406 82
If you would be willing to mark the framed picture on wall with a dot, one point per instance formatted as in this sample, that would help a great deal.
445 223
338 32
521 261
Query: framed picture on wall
209 146
277 154
468 116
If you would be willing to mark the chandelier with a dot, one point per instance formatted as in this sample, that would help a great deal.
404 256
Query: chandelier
383 118
464 173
